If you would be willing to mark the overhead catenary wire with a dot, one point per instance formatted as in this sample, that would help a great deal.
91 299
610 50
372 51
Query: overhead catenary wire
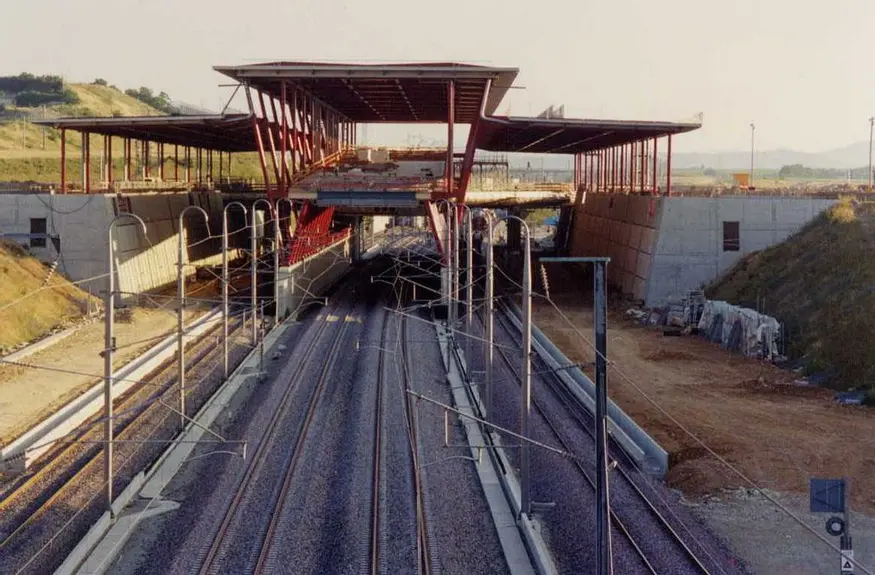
737 472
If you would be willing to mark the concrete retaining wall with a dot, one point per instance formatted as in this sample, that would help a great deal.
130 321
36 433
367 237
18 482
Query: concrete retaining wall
81 221
689 252
623 228
312 276
661 247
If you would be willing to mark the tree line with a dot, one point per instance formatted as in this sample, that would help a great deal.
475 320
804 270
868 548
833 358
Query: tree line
800 171
30 90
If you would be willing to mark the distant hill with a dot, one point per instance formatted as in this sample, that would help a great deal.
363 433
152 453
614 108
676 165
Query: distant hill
94 100
847 157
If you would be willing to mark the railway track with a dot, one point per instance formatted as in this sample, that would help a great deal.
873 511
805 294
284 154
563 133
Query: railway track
233 546
45 515
639 536
377 493
334 484
423 538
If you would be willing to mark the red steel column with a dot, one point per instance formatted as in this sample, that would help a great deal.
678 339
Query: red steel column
591 171
632 168
451 118
623 168
668 169
109 161
188 164
63 160
654 185
643 169
176 162
126 152
284 143
87 167
161 161
614 159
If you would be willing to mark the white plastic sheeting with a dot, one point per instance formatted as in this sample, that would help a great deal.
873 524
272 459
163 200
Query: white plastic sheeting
740 329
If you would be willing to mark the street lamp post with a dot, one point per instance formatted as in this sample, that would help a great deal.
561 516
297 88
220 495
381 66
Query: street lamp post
226 280
254 267
279 241
180 282
526 372
108 348
752 130
448 257
490 325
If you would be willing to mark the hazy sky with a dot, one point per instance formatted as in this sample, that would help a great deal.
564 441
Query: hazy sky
802 70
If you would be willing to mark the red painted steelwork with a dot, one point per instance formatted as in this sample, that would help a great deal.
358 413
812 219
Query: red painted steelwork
176 162
451 100
259 142
109 160
284 191
266 127
63 161
313 232
86 141
668 169
643 169
654 184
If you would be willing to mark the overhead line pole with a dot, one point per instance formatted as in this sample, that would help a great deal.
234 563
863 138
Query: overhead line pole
180 319
108 348
226 280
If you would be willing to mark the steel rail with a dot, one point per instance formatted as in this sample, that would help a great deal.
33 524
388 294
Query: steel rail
82 462
568 404
257 460
316 395
80 477
424 547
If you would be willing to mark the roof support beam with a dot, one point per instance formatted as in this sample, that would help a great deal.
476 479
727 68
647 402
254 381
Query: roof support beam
540 140
471 148
362 98
406 99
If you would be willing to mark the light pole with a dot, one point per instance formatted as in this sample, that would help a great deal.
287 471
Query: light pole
108 347
254 267
279 239
752 130
526 371
869 178
448 256
226 280
490 325
180 283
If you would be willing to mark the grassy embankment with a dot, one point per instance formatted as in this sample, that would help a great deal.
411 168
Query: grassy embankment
23 159
33 317
820 283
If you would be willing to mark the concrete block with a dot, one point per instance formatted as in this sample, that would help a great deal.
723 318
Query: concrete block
635 233
628 284
630 259
639 289
642 265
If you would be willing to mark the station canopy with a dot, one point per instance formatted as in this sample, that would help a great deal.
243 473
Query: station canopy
569 136
221 133
374 93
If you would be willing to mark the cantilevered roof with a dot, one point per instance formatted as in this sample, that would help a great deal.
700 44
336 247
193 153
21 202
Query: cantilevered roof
222 133
384 92
569 136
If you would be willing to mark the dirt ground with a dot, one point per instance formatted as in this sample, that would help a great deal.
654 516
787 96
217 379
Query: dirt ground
28 395
748 411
